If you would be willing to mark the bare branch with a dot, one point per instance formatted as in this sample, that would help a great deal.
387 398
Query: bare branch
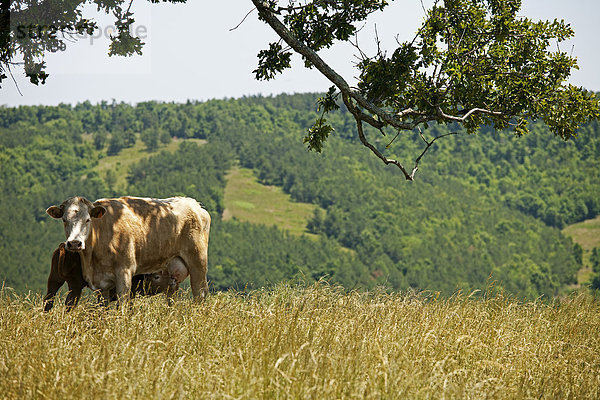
379 52
422 136
129 7
422 26
363 55
468 114
387 146
361 135
242 21
429 144
408 111
14 80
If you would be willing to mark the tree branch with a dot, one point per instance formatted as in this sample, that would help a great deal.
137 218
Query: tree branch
468 114
407 119
268 15
361 135
14 80
429 144
242 21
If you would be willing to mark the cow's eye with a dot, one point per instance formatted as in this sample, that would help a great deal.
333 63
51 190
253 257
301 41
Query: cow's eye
87 221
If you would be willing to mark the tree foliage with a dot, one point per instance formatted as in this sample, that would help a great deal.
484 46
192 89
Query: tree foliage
473 62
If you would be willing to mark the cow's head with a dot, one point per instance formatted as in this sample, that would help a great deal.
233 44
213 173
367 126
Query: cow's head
77 214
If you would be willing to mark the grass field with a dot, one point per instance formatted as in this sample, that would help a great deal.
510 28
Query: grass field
248 200
587 234
314 342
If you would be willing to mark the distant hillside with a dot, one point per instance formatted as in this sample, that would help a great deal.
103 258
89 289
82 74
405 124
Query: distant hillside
587 235
487 206
118 164
247 200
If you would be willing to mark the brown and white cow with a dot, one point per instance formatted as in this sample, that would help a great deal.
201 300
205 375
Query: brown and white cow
119 238
66 267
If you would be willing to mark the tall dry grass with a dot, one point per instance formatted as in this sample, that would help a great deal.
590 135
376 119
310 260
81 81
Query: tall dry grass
303 342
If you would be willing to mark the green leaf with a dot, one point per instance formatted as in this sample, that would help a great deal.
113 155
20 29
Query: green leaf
317 135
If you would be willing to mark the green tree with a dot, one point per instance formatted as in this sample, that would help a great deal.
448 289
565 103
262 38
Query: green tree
129 138
472 62
150 138
456 229
116 143
164 137
315 224
170 122
31 29
595 262
578 253
100 138
111 179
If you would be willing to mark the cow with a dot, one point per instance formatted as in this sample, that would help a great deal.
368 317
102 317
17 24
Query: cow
66 267
122 237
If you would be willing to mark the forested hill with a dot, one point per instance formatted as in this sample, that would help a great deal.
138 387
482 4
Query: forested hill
485 207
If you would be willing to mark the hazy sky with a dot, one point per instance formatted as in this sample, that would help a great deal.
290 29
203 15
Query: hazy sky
191 53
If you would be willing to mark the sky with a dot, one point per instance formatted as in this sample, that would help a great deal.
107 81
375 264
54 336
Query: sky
192 52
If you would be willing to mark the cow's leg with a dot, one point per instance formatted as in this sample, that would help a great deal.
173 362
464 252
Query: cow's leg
54 283
197 264
123 285
74 294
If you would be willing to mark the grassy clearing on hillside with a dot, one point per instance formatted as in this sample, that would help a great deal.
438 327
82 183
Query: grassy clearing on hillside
313 342
120 163
247 200
587 234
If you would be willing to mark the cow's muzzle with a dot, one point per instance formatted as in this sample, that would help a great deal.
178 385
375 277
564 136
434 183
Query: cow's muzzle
74 245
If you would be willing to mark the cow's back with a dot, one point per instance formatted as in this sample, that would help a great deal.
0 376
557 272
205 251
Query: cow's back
150 231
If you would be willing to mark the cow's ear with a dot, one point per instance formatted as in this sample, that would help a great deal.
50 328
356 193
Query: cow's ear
55 212
98 212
